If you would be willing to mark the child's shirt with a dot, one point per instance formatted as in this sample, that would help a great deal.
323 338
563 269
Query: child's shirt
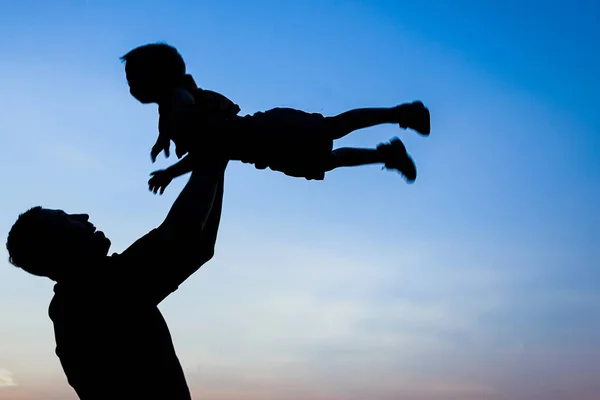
214 105
200 118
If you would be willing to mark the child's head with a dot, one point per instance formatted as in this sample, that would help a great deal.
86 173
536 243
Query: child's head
153 70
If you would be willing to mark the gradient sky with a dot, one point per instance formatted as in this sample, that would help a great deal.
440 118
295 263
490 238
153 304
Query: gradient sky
478 282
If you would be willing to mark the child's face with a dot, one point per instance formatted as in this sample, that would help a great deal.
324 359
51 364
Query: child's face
144 84
141 88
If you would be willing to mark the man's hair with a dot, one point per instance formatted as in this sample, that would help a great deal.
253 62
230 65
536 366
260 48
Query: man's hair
27 241
158 57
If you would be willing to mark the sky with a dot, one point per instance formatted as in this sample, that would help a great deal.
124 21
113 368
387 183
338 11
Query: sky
477 282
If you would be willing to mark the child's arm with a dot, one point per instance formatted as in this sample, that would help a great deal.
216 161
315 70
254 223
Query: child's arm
162 178
181 167
163 143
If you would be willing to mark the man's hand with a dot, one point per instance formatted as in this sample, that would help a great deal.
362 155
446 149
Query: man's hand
160 180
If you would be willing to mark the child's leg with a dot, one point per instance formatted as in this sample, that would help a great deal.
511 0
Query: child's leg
353 157
410 115
393 155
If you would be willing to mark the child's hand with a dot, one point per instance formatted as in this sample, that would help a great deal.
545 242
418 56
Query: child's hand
162 144
160 180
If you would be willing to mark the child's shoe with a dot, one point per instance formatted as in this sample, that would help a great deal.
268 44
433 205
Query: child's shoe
395 157
415 116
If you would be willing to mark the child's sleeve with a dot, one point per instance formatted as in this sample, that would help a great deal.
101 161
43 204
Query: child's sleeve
220 103
193 133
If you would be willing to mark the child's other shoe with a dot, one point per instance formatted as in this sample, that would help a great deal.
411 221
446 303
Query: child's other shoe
415 116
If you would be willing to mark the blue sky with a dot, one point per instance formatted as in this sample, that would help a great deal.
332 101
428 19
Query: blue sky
477 282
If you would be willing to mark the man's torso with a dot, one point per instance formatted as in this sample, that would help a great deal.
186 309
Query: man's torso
111 345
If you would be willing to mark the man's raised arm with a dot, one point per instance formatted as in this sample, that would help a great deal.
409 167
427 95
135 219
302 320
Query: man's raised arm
161 260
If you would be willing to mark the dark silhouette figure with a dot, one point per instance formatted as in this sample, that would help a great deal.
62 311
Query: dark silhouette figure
294 142
112 340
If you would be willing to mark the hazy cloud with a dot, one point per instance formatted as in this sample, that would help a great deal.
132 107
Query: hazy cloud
6 378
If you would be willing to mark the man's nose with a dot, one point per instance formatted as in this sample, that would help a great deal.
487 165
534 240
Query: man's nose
82 217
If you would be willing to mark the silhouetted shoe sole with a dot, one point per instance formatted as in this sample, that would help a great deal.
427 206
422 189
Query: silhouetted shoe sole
418 118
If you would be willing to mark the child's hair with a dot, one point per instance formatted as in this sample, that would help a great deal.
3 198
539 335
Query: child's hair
160 58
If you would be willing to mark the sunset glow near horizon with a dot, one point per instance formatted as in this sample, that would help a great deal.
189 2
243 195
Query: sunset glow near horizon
478 282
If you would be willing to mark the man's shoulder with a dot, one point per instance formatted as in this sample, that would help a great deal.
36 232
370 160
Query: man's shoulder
144 257
149 240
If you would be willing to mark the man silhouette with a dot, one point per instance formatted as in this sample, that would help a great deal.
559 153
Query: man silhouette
111 339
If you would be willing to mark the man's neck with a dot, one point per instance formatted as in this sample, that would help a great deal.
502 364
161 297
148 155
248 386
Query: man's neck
86 270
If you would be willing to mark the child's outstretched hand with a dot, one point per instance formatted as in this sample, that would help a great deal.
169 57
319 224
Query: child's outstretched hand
159 181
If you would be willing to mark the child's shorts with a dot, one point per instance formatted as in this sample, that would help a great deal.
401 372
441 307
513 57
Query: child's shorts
290 141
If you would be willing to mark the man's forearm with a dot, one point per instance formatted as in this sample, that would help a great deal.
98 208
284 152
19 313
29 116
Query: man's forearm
201 251
211 228
189 213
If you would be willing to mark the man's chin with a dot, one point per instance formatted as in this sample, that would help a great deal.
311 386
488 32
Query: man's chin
103 241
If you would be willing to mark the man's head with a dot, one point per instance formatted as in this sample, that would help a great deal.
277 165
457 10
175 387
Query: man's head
152 70
54 244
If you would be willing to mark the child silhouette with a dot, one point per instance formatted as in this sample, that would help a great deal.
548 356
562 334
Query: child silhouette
294 142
